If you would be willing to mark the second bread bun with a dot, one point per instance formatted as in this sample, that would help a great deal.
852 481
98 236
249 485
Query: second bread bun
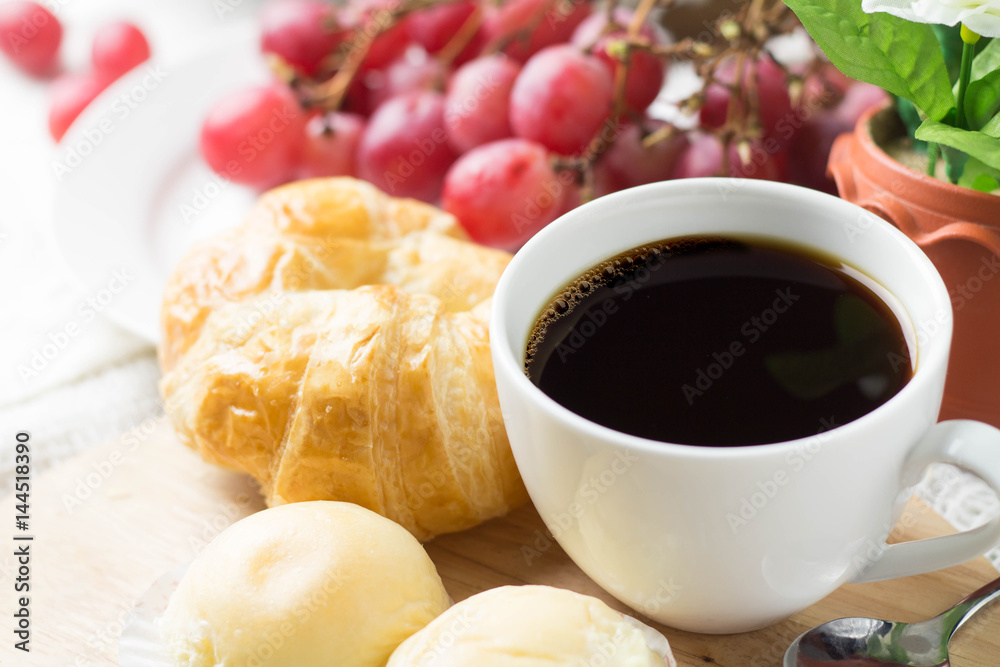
303 585
533 626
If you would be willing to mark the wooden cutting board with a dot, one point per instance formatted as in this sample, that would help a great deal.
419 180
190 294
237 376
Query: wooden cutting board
109 522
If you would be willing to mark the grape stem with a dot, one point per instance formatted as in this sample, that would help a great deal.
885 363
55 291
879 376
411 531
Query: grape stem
461 39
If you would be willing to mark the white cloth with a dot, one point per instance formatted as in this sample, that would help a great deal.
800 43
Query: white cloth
73 416
964 500
71 392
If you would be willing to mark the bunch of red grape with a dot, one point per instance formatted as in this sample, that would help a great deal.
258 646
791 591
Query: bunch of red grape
30 35
481 108
506 114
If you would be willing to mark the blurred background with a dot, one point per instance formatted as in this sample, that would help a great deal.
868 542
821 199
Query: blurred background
98 380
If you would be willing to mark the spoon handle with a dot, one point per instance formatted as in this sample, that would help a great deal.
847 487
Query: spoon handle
953 619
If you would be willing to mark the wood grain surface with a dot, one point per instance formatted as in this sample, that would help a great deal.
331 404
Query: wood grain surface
109 522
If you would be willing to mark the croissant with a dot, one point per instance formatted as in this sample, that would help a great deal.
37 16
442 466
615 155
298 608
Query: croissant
335 346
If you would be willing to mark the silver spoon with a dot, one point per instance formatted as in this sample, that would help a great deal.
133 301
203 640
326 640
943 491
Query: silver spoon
868 642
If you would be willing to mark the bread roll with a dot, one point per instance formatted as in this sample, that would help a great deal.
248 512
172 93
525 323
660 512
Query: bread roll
310 584
533 626
336 347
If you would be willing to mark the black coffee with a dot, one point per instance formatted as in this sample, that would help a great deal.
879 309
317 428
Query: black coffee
719 341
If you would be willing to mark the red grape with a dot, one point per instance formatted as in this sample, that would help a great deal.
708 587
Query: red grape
71 93
768 161
810 150
774 104
370 22
859 98
628 163
387 47
772 95
254 136
30 36
406 75
477 106
645 75
405 148
503 192
434 27
554 22
591 29
715 108
646 71
331 145
810 145
118 47
360 97
300 32
824 88
561 99
701 158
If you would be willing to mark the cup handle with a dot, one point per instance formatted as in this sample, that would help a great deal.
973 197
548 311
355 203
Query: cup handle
971 445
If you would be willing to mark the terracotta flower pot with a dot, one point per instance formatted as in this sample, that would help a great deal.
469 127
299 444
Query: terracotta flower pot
959 229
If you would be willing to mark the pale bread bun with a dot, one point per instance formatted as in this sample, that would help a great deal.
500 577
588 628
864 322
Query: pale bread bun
533 626
315 583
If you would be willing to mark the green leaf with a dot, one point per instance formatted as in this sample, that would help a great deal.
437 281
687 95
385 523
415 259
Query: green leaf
911 119
992 127
985 183
978 176
976 144
950 38
982 99
987 61
954 162
902 57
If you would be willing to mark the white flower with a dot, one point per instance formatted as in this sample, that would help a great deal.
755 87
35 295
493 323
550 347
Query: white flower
980 16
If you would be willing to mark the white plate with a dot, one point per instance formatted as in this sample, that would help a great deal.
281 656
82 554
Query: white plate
132 193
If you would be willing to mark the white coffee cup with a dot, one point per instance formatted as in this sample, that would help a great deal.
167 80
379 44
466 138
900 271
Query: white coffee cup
730 539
